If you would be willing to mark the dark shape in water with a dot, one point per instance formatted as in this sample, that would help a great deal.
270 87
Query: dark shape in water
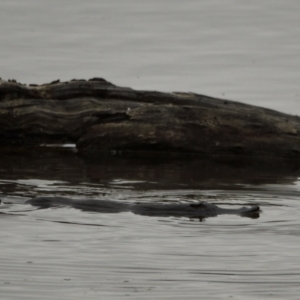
199 210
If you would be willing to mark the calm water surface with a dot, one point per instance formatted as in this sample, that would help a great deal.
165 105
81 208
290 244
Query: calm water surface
65 253
244 51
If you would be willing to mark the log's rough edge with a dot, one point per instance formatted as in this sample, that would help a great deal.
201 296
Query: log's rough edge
100 116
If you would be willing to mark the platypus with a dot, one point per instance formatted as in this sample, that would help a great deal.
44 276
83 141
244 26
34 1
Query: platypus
199 210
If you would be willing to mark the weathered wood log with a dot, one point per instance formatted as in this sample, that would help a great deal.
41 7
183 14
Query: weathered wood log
99 116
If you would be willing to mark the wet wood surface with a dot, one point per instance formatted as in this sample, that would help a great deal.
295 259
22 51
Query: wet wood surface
99 116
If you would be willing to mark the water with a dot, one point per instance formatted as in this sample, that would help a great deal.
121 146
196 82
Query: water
65 253
247 52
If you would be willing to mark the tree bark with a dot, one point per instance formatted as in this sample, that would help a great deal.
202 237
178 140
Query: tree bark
99 116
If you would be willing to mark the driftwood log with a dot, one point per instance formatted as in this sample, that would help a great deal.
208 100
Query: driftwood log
99 116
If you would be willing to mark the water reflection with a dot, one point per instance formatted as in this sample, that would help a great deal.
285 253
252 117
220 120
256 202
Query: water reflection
113 255
144 172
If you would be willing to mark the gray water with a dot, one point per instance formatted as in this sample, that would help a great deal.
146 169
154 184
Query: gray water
244 51
65 253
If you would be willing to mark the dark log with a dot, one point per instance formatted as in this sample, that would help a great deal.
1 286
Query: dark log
99 116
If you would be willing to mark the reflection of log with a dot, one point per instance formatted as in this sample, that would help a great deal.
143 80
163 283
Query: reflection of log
99 116
165 173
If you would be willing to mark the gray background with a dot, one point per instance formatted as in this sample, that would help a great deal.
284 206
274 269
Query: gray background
241 50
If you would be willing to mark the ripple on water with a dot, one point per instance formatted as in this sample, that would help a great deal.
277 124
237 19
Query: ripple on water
66 253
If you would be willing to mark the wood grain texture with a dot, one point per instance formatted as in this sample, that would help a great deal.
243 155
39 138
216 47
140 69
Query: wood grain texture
99 116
